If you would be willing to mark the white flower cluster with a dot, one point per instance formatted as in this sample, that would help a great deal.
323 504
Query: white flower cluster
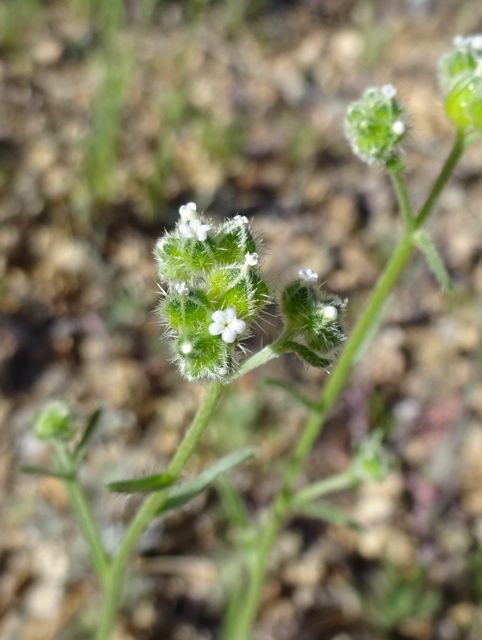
191 226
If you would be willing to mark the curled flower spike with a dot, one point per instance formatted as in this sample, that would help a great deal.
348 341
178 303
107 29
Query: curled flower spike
308 275
226 324
214 290
375 125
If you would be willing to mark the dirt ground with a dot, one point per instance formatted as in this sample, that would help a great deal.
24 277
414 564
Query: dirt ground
108 125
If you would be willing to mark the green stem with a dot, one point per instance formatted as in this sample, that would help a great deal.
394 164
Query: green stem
403 200
445 173
324 487
316 420
83 515
149 510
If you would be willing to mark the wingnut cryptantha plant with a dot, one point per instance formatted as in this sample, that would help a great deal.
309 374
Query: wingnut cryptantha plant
213 291
460 79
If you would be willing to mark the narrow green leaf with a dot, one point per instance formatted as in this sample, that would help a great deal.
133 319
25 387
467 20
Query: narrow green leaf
49 473
308 355
328 513
140 485
179 495
294 392
232 503
434 260
93 422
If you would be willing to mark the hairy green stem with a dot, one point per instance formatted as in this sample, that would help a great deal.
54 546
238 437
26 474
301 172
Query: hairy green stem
150 508
83 515
403 200
317 417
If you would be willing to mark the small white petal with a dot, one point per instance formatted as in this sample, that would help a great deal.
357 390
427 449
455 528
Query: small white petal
251 259
398 128
215 328
238 325
308 275
185 230
188 211
229 335
218 316
388 91
241 219
458 41
476 42
181 288
330 313
186 348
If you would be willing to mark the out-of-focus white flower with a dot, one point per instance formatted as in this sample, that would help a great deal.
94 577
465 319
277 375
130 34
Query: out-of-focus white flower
188 211
251 259
388 91
186 348
308 275
194 229
226 324
181 288
330 313
398 128
241 219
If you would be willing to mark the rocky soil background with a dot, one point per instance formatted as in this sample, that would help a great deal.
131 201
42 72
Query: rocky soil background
113 115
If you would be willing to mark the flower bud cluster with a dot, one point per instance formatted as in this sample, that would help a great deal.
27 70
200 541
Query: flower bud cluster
313 320
54 422
375 125
214 291
460 79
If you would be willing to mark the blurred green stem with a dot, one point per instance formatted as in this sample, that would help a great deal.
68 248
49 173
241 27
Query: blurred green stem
316 420
83 514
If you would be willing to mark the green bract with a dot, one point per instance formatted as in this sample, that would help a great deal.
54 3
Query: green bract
375 126
214 288
54 422
460 79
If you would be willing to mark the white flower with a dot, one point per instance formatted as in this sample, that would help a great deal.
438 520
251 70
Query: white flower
194 229
308 275
226 324
241 219
330 313
251 259
188 212
476 42
398 128
388 91
181 288
186 348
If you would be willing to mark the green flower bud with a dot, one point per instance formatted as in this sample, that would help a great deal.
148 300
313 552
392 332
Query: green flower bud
375 126
463 104
204 357
54 422
460 78
186 310
313 318
455 65
372 461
